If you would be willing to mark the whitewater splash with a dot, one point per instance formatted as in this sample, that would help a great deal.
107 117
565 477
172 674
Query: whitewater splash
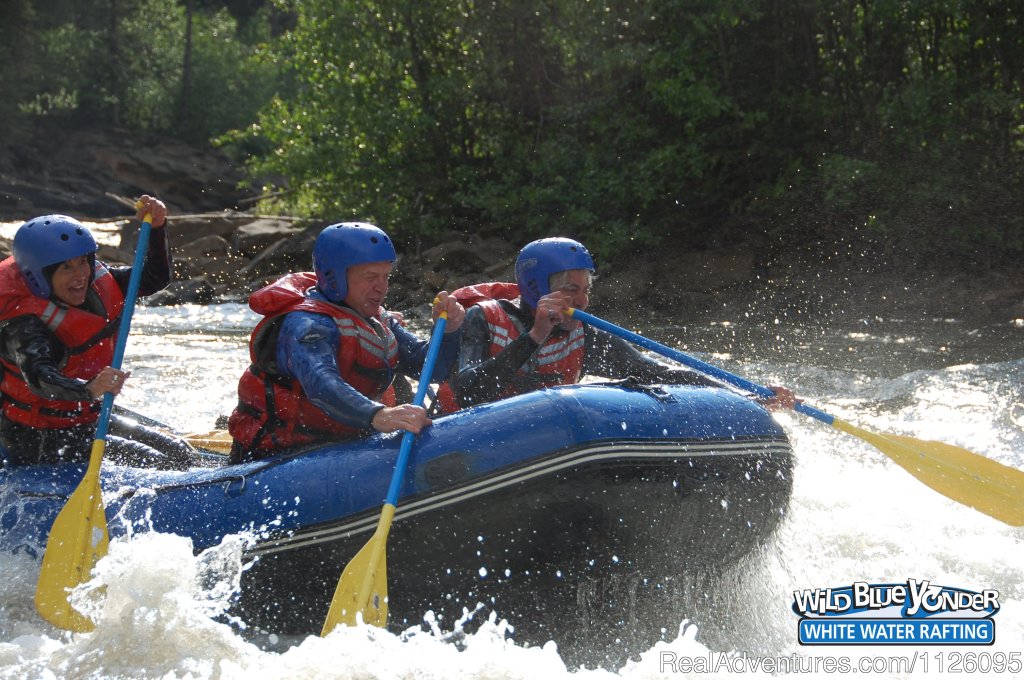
854 516
159 614
155 604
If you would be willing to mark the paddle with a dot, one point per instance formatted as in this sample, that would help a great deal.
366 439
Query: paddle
211 441
961 475
363 586
214 441
78 537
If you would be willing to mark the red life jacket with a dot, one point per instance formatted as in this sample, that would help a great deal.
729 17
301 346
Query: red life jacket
88 339
273 412
559 360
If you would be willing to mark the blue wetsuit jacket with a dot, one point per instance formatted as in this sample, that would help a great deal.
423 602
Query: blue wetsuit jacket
307 350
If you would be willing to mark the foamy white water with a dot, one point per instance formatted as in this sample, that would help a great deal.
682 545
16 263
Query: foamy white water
854 516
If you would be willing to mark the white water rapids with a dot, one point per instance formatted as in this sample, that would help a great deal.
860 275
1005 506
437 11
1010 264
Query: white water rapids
854 517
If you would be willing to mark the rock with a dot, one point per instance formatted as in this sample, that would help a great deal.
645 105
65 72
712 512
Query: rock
457 261
502 271
408 271
205 246
467 253
398 291
186 178
293 253
250 239
21 200
435 279
112 255
196 291
87 172
220 269
186 228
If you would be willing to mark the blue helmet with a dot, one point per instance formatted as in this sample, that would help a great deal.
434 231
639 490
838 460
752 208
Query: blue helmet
539 260
344 245
45 241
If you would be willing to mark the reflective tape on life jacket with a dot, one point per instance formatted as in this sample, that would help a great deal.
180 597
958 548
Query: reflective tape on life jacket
88 339
559 361
273 411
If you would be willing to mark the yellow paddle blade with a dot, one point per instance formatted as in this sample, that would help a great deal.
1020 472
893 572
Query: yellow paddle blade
966 477
78 539
363 586
218 441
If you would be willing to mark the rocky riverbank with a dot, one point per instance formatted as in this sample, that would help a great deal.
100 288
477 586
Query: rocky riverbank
224 254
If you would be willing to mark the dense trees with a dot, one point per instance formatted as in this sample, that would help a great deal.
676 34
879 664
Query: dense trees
890 125
190 69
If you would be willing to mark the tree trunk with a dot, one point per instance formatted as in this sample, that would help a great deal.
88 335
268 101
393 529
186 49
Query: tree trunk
115 65
185 99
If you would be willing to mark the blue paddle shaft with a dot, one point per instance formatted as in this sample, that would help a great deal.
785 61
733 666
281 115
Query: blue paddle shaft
692 362
134 280
433 349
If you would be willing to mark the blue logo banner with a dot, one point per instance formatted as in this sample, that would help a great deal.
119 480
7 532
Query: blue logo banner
853 631
911 613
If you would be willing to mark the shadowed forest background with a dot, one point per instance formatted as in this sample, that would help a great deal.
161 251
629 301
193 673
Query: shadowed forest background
875 131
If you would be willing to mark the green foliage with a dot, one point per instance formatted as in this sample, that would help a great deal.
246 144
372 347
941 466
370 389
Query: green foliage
377 115
920 101
233 78
122 63
895 125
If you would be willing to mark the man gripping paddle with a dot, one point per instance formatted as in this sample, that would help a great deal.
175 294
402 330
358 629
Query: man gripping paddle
520 337
326 352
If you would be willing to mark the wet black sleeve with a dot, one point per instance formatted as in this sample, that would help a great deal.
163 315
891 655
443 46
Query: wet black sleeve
26 342
480 378
156 268
613 357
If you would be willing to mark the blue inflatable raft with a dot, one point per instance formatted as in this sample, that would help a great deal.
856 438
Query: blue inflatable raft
573 512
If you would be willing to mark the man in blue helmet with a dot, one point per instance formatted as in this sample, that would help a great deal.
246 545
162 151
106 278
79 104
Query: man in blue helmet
518 338
59 313
326 352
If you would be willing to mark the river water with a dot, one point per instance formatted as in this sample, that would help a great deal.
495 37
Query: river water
854 517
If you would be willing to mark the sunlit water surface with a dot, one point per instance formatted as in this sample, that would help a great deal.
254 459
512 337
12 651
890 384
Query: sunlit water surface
854 516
